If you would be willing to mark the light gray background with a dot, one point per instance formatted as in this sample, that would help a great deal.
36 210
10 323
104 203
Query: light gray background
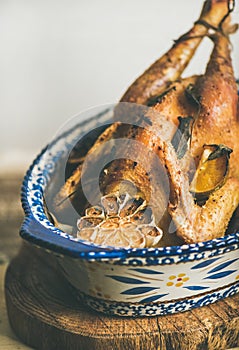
59 58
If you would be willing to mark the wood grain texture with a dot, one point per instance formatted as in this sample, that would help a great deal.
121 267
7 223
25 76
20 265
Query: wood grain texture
11 215
8 340
45 315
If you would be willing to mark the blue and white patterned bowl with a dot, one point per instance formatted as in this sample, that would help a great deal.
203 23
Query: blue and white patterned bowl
126 282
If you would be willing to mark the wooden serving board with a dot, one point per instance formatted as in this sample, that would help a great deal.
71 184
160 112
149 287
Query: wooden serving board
45 315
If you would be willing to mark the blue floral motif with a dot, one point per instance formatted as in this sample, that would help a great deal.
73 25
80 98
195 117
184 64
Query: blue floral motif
138 290
220 274
127 280
157 308
222 266
153 298
204 264
149 309
195 287
148 271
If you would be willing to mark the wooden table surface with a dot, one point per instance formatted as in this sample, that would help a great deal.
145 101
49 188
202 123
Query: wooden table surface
10 219
11 216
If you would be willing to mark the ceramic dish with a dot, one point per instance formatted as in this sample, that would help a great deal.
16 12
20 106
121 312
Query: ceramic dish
125 282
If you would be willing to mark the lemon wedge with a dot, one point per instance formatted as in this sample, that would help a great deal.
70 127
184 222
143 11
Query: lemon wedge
211 172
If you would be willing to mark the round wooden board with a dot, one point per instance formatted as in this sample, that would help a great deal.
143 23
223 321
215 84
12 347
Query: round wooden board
45 315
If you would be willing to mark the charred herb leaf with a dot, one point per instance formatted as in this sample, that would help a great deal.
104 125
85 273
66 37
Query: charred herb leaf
182 136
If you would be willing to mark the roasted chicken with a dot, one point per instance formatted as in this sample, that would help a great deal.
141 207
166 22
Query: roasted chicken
176 178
